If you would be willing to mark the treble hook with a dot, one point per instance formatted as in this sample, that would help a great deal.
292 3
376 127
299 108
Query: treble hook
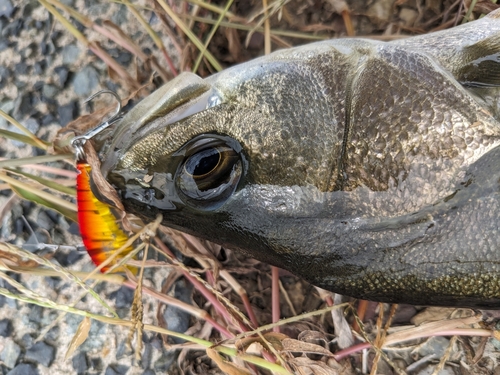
79 141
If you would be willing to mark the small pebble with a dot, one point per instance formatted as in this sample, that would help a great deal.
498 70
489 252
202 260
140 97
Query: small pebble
163 364
23 105
3 45
80 363
123 350
49 91
62 75
41 353
40 67
5 328
68 259
67 113
96 364
147 356
47 47
116 370
21 68
36 313
24 369
27 340
120 17
6 8
13 28
123 297
86 81
70 54
435 345
54 332
10 353
178 320
48 119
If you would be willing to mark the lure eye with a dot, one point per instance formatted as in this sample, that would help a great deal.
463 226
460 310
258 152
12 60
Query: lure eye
209 173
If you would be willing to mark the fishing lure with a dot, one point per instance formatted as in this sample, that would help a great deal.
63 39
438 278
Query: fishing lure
101 233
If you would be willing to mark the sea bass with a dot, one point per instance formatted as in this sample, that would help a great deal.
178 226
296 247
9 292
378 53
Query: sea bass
368 168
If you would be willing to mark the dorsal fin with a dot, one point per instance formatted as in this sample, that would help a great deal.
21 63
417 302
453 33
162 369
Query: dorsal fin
481 66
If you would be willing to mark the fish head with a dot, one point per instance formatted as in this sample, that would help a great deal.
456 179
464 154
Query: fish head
198 151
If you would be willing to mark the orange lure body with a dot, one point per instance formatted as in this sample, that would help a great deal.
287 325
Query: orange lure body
100 231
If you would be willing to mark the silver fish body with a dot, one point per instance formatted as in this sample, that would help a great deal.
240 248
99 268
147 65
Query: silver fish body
370 169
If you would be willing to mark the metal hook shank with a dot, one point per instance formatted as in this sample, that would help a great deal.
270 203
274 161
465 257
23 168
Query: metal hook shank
79 141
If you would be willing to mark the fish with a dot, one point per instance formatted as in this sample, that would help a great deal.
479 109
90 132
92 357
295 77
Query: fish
368 168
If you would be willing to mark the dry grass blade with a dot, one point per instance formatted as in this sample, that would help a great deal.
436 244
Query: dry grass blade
126 79
34 139
32 160
244 27
79 338
210 36
51 184
67 25
192 37
20 138
49 197
154 36
226 366
11 249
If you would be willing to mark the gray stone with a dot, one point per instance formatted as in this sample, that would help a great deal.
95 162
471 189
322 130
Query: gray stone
116 370
123 297
80 363
49 91
10 353
62 75
24 369
70 54
5 328
67 113
6 8
120 17
435 345
86 81
41 353
178 320
21 68
32 125
7 107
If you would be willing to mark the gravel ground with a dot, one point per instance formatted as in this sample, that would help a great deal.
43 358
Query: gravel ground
45 75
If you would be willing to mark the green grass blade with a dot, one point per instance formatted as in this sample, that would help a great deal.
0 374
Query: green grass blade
34 160
38 142
210 36
46 182
31 196
20 138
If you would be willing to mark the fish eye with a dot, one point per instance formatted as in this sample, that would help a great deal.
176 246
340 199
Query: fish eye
209 173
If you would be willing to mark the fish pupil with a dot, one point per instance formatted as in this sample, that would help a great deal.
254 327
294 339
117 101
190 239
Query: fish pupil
204 163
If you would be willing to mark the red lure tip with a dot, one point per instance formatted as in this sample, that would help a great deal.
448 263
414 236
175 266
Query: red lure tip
100 231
